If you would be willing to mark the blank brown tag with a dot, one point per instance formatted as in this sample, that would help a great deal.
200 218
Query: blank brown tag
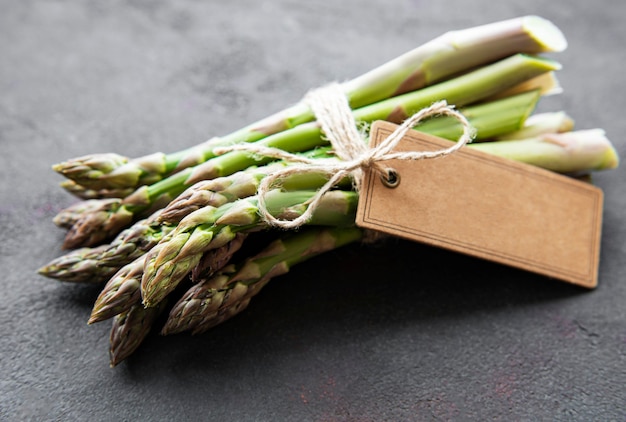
489 207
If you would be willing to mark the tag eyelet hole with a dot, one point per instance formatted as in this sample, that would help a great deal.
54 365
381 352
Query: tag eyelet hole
390 178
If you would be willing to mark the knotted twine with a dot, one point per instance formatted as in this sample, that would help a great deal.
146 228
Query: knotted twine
334 115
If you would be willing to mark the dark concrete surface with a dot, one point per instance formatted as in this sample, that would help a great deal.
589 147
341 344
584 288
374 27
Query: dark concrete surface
401 333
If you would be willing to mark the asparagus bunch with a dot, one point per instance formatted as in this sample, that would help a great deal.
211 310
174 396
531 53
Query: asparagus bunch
206 303
180 224
568 152
100 223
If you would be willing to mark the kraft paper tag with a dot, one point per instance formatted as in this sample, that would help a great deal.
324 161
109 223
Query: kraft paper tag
488 207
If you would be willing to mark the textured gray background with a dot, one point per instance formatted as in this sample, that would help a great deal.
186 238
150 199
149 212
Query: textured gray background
405 332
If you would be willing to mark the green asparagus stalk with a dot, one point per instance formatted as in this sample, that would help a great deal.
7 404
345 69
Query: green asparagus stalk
98 264
129 329
489 119
540 124
569 152
209 228
546 83
220 297
78 266
131 174
98 225
90 167
450 54
71 215
122 291
82 192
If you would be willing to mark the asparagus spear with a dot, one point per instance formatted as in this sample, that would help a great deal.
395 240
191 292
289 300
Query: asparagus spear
452 53
90 167
569 152
98 264
83 192
546 83
490 119
79 266
539 124
73 214
209 228
220 297
99 225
